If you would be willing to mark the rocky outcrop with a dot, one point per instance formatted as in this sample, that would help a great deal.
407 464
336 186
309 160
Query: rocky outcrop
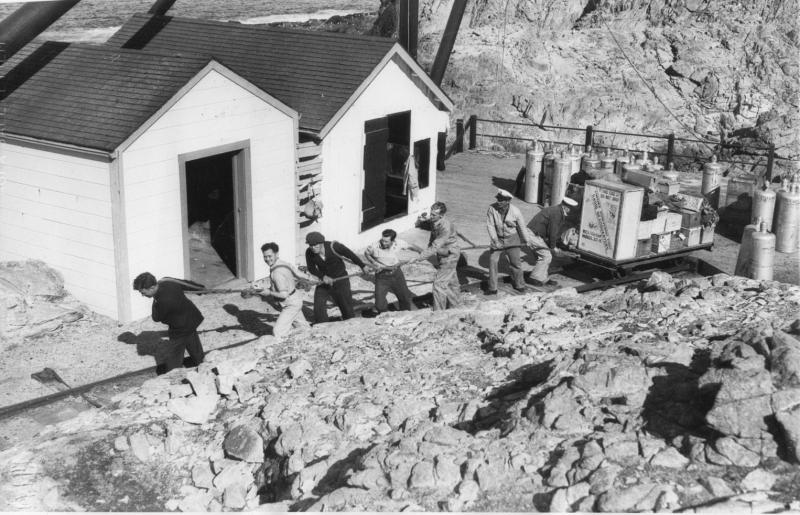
666 395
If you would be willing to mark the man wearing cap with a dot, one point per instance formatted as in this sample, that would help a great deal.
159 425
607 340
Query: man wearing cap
548 225
382 255
282 291
324 260
506 230
444 246
171 307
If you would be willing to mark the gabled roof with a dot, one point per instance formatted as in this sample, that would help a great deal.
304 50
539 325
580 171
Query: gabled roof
90 96
316 73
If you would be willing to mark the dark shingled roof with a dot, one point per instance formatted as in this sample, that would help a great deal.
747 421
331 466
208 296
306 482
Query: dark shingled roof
315 73
89 96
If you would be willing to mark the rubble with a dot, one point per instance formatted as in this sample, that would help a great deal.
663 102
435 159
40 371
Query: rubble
637 410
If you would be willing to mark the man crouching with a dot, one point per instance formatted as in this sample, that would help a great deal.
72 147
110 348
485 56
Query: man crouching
171 307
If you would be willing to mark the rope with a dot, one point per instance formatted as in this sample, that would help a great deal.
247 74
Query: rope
649 87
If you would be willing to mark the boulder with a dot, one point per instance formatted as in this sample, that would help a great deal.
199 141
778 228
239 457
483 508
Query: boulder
203 384
785 359
633 498
202 476
742 401
758 479
245 444
298 368
194 410
670 458
139 446
239 473
789 422
422 476
235 495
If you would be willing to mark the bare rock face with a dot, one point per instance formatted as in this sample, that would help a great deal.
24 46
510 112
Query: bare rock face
33 300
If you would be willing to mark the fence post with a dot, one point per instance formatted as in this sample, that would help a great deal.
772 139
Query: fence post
770 162
589 137
473 131
670 150
459 135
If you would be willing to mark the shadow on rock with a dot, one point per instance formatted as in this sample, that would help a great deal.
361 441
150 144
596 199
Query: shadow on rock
251 321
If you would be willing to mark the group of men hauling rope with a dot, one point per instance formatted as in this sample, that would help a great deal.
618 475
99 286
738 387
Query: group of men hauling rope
325 261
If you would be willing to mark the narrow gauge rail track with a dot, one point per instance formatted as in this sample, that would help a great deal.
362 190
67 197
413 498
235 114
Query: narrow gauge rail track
685 265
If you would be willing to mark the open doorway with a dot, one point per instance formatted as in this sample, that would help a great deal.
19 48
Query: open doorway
214 237
386 150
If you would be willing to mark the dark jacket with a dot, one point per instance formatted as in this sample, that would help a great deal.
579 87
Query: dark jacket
332 265
171 307
547 224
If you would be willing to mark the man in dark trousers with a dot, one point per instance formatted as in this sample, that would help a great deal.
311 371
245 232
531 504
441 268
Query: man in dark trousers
548 224
324 260
382 255
171 307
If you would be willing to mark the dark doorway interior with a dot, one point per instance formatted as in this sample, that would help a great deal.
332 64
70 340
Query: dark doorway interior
211 218
386 149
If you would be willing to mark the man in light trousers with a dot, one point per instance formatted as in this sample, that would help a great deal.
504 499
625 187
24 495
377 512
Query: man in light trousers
443 246
507 230
283 291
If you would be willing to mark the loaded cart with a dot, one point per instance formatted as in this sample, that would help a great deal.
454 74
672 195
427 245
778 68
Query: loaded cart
620 230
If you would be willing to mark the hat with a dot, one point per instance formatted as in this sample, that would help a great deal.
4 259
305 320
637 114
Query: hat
314 238
503 195
570 202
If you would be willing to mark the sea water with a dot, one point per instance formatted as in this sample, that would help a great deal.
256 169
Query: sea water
95 21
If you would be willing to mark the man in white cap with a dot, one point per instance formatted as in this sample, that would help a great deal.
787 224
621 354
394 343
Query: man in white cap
506 229
548 224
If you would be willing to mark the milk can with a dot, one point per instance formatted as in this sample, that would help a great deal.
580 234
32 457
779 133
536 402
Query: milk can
591 161
764 205
654 166
607 160
562 172
744 259
533 172
548 166
632 166
712 176
574 161
763 254
671 174
787 221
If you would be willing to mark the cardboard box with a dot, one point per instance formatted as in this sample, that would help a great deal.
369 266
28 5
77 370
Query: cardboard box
643 247
645 229
660 243
691 202
610 218
667 187
659 225
690 218
641 178
707 235
673 222
691 235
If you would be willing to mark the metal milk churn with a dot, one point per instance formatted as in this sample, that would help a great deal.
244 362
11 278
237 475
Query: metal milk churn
644 162
622 159
533 172
744 259
561 174
671 174
787 221
607 161
548 166
712 176
632 166
763 254
764 204
574 161
591 161
654 166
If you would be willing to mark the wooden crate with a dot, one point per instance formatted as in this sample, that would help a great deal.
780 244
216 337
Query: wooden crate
610 219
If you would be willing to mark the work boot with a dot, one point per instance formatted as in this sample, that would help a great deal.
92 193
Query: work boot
490 292
541 284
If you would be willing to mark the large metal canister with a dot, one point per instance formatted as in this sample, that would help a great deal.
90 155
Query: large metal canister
787 220
591 161
574 161
763 260
764 205
548 166
643 162
712 178
630 167
654 166
622 159
744 259
671 174
533 173
562 171
607 160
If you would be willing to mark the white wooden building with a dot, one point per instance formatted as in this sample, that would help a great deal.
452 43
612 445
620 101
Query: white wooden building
102 147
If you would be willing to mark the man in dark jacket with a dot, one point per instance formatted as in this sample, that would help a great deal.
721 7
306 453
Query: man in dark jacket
171 307
548 225
324 260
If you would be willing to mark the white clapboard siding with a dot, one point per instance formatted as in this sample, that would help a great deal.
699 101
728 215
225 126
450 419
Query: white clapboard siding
214 113
391 91
56 208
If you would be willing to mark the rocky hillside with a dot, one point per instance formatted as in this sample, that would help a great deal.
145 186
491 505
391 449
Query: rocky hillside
717 69
670 394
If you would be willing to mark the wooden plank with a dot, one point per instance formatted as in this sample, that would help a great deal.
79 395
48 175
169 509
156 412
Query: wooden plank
308 149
